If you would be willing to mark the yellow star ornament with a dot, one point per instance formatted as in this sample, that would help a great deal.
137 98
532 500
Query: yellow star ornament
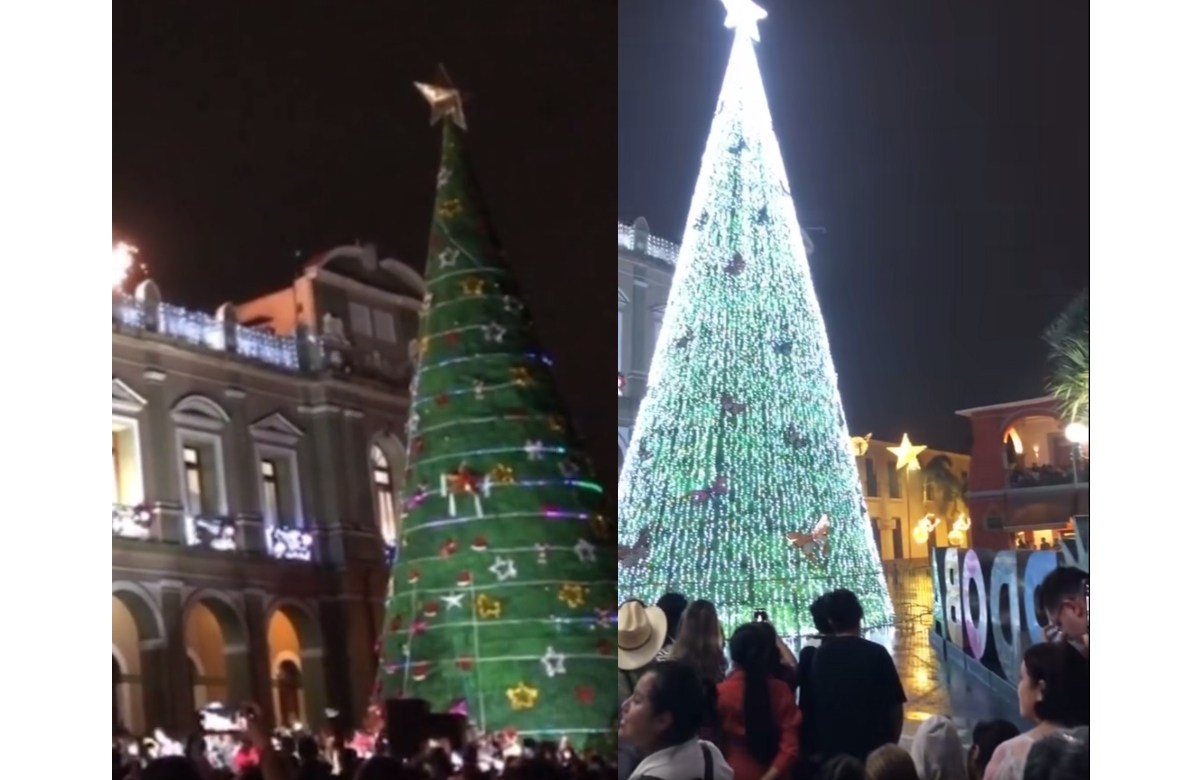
445 101
523 697
907 454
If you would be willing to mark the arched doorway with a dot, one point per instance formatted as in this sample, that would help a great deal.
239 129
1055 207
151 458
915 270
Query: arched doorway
215 637
136 652
295 650
289 693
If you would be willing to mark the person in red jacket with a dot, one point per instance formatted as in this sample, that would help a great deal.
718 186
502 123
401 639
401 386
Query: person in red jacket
760 721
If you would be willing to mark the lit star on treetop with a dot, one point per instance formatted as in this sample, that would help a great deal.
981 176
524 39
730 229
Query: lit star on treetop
744 16
907 454
445 101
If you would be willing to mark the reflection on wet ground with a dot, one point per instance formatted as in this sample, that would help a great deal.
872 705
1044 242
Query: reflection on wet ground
933 687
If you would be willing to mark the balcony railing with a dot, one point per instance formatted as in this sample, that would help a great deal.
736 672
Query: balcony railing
132 522
215 333
289 544
629 239
1047 476
219 534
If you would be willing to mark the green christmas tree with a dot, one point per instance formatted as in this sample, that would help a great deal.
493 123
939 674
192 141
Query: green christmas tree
503 596
740 485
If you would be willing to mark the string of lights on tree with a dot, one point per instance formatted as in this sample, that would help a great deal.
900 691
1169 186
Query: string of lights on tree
739 485
503 596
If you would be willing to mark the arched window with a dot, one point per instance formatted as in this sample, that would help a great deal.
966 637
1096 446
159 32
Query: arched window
289 684
385 495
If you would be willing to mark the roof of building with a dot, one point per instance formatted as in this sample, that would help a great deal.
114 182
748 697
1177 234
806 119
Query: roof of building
1005 406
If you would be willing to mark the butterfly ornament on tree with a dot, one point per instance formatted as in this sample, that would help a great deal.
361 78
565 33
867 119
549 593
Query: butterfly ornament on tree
812 543
631 557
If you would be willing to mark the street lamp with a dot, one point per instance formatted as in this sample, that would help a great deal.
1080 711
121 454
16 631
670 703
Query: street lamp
1077 435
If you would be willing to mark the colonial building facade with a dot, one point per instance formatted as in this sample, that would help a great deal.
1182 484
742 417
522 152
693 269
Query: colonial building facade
645 265
1028 479
257 456
914 510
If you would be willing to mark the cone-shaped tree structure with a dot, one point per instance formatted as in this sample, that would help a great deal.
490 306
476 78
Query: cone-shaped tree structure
503 594
741 440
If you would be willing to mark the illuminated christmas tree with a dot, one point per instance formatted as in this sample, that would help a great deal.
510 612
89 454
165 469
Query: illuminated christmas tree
740 485
503 596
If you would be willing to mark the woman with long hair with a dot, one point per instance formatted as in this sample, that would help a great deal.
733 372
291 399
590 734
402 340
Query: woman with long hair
673 606
701 642
760 722
1053 693
663 720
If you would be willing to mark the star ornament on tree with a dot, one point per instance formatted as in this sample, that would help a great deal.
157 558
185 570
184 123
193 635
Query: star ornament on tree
445 101
907 453
522 697
743 16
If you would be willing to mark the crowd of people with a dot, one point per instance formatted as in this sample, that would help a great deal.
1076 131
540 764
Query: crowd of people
697 708
255 753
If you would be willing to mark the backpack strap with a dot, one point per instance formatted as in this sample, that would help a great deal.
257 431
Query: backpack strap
708 761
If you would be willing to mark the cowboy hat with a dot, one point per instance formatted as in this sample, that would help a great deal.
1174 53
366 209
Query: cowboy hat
641 632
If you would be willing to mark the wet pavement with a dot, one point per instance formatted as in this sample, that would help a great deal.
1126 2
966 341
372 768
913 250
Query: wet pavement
934 688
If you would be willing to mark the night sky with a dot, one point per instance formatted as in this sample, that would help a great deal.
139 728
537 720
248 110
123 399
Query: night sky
943 146
249 136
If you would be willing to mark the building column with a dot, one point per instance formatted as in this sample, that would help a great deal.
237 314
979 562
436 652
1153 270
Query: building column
243 477
638 320
259 687
326 490
350 650
164 493
155 684
359 510
178 704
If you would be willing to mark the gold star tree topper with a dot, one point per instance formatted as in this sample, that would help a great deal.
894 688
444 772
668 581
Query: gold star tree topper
907 454
445 101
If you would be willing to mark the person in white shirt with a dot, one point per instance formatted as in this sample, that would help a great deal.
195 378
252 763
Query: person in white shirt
663 720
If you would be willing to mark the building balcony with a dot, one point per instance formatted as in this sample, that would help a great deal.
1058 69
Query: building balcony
215 534
219 534
1047 476
289 544
144 315
132 522
636 238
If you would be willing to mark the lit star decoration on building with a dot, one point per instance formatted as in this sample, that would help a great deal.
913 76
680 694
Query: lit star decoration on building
907 453
741 438
743 16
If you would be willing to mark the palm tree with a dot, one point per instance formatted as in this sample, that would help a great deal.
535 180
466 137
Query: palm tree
947 489
1068 339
